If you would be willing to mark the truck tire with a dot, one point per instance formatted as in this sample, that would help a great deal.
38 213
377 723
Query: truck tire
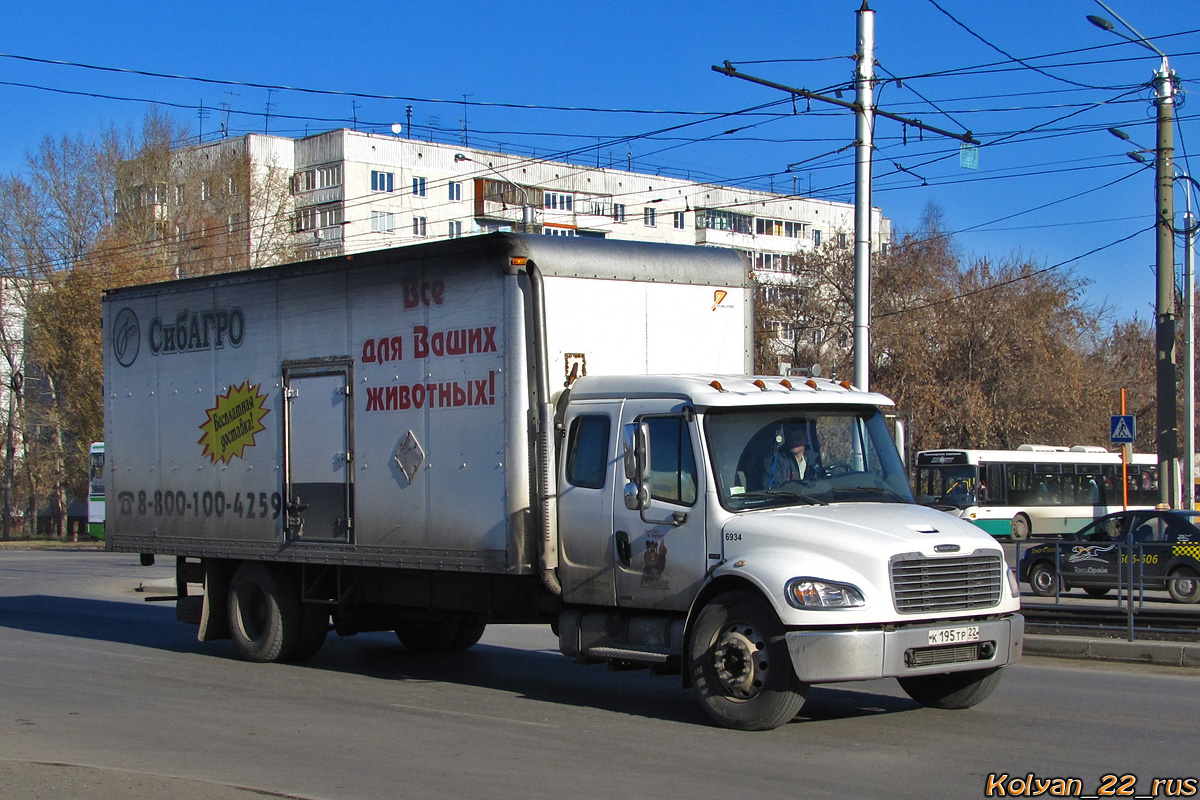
314 626
442 634
264 612
740 664
952 690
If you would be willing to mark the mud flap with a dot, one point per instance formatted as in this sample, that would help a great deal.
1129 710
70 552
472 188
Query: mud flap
214 616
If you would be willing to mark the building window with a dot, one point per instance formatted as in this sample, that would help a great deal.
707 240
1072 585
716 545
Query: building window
717 220
816 238
559 201
382 181
843 241
420 226
455 229
793 230
329 176
382 222
313 217
206 189
649 217
419 187
769 262
455 190
618 212
680 218
555 230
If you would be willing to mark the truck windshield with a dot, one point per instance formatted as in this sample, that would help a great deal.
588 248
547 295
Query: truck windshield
803 456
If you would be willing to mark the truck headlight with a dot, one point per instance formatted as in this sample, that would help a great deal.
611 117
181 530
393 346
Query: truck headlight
812 593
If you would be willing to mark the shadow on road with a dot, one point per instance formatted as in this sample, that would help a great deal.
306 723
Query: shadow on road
540 675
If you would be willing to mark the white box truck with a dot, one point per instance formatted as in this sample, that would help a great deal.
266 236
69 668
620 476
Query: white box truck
527 429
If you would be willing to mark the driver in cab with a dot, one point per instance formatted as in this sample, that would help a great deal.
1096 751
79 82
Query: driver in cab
791 461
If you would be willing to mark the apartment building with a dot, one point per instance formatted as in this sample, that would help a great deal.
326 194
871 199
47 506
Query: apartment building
265 199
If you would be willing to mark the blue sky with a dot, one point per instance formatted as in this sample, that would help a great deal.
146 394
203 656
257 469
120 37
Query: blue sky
528 70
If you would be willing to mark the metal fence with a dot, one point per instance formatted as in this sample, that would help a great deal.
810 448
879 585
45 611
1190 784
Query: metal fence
1125 604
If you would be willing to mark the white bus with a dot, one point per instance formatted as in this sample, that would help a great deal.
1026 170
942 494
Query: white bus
95 518
1035 489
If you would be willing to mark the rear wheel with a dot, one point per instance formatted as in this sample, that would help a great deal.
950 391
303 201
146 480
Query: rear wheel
264 612
1043 579
1096 591
440 634
1183 586
952 690
314 627
740 664
1020 527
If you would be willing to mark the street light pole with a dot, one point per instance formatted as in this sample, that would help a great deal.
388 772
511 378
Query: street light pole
1167 432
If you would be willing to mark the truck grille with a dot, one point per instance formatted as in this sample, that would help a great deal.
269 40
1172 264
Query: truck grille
921 585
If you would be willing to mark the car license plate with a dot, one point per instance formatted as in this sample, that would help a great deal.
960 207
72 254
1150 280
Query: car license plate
970 633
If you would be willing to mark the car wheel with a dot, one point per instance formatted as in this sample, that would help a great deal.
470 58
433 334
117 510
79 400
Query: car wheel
1020 527
1043 579
1096 591
1183 585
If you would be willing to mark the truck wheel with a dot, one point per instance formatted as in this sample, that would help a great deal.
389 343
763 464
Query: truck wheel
953 689
442 634
1043 580
264 613
469 634
740 664
1185 588
314 626
1020 527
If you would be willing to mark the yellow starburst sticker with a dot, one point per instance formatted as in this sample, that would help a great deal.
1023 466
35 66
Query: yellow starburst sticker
233 424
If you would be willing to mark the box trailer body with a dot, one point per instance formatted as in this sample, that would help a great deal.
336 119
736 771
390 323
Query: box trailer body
509 428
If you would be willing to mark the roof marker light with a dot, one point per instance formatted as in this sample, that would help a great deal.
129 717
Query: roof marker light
717 385
846 385
760 384
518 261
785 383
811 383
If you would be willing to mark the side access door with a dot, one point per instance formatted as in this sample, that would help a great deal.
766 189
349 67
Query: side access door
318 482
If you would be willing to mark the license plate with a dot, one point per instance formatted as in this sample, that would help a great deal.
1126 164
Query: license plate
970 633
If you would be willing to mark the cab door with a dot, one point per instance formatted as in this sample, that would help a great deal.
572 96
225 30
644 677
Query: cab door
659 551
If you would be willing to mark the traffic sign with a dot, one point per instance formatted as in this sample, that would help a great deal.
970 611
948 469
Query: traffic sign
1123 428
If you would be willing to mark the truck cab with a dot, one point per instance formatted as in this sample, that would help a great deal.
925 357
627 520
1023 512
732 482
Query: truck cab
759 533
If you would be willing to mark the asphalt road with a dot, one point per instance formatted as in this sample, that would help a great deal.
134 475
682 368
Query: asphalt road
103 696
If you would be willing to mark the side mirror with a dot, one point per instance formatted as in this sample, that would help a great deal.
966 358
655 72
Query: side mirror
636 438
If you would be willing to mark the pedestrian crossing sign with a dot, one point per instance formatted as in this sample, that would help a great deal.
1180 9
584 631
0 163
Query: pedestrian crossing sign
1123 427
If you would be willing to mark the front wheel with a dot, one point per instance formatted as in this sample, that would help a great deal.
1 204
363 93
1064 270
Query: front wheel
441 633
1043 579
952 690
1183 585
740 664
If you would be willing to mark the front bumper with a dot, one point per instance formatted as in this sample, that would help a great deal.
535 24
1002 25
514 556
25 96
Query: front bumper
832 656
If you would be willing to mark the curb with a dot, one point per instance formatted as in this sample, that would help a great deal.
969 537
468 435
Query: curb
1169 654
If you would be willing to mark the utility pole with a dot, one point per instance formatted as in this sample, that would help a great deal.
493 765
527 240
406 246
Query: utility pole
864 94
1164 259
865 113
